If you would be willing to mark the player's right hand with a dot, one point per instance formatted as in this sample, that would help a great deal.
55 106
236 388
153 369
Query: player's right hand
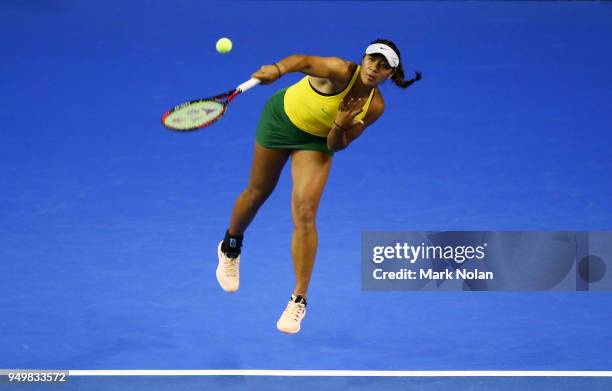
267 74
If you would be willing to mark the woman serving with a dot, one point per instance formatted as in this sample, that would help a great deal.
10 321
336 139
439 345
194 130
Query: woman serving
319 115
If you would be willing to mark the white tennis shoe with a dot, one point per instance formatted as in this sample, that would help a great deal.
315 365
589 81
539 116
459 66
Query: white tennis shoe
228 271
291 319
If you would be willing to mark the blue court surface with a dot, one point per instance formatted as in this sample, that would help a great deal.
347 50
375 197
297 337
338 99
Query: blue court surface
243 383
109 223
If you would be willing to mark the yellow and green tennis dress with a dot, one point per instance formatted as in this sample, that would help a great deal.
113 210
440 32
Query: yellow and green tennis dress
300 117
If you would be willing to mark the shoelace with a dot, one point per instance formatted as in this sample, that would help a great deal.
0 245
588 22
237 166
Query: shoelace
231 267
295 310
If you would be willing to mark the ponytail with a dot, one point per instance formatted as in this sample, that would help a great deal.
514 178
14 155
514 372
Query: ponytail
398 77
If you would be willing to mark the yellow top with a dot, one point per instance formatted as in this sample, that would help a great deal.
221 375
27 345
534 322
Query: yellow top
314 112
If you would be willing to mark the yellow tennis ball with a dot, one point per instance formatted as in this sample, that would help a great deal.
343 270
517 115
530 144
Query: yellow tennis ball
224 45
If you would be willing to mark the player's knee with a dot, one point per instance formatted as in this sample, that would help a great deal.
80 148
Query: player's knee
304 214
256 196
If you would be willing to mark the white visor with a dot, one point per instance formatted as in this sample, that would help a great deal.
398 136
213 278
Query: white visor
385 50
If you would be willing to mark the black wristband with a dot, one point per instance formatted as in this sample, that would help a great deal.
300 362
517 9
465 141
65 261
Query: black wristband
338 126
278 69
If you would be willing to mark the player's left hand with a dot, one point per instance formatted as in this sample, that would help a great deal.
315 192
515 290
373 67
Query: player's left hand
348 110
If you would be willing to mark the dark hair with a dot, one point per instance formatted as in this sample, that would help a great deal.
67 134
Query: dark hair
398 74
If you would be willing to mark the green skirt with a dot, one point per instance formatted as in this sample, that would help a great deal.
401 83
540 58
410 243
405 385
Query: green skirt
276 131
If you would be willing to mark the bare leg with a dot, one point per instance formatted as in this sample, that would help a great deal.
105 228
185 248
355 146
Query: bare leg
265 171
309 170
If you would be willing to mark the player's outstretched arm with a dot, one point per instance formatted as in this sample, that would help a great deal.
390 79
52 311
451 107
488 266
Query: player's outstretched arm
333 68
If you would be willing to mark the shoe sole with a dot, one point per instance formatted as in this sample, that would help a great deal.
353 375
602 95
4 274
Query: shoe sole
288 332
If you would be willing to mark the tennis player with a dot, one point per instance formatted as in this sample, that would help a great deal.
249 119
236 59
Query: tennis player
319 115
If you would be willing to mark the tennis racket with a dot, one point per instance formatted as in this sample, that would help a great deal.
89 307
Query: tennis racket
200 113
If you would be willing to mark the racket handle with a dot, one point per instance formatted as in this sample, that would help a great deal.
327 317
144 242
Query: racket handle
247 85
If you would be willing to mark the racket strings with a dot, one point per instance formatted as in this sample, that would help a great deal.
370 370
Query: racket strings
198 113
194 115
